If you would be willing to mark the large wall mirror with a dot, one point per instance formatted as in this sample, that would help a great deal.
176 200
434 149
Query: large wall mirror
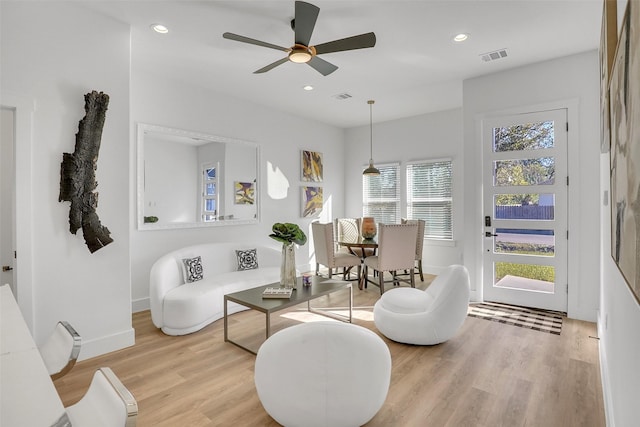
188 179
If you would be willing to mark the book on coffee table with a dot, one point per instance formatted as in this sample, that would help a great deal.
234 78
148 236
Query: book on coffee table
277 293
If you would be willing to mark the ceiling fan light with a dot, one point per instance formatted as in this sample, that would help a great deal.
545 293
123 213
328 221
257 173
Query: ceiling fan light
299 56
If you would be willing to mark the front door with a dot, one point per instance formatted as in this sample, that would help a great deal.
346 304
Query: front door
525 209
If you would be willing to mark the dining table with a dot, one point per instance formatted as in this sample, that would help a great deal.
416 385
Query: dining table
365 246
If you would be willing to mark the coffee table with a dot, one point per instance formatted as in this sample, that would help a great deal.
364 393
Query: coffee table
252 298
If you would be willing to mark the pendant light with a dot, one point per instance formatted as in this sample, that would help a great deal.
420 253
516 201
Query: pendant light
371 170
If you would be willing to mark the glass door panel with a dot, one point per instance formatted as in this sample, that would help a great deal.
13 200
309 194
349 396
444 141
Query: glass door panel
525 191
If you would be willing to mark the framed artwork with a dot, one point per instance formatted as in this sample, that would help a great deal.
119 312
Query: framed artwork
311 201
624 95
245 193
608 41
311 166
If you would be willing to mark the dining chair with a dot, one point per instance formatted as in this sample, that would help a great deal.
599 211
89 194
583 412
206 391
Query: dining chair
396 251
419 242
326 253
60 351
107 403
349 229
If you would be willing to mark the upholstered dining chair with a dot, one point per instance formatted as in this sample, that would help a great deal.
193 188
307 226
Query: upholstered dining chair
60 351
419 242
428 317
107 403
326 253
396 251
313 375
349 229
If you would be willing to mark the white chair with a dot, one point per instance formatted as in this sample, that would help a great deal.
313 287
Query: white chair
396 251
428 317
419 243
107 403
323 374
326 254
60 351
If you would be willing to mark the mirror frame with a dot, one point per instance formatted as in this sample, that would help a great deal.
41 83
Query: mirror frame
142 129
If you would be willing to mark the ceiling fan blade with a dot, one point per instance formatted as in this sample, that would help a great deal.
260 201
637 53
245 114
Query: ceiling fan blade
272 65
323 67
350 43
244 39
305 21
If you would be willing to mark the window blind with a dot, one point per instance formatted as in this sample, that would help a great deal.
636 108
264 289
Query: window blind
429 196
381 195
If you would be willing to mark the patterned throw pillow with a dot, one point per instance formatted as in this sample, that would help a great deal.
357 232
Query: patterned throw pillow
247 259
192 269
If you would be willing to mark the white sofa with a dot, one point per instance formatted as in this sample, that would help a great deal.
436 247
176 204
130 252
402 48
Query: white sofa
180 308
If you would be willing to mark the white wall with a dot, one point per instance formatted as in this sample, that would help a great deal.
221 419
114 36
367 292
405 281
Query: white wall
571 82
54 69
428 136
281 137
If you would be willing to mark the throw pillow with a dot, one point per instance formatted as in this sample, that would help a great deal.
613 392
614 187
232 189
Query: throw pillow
193 269
247 259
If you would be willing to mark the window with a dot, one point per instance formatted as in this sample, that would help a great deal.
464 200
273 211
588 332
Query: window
209 193
429 198
381 195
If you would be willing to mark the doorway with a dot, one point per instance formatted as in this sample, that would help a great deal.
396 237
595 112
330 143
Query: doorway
7 198
525 180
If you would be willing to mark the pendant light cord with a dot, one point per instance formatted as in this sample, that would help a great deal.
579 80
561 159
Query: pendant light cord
370 131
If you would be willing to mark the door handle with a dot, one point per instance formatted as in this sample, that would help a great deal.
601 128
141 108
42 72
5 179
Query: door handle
7 268
489 234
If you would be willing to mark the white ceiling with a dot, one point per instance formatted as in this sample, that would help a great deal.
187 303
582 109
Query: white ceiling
415 67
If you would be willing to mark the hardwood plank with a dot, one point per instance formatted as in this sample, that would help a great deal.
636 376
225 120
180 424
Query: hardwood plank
489 374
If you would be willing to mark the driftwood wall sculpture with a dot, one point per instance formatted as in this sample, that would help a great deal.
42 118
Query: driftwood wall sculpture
78 177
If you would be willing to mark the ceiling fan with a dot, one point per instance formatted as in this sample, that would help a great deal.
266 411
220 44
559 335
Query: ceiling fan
303 23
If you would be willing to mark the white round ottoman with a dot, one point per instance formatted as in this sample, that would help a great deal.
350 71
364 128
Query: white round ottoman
323 374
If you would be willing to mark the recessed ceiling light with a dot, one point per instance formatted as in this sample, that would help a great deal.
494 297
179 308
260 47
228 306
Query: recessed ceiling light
307 87
159 28
460 37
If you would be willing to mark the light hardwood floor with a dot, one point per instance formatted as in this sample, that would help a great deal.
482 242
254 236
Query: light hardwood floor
490 374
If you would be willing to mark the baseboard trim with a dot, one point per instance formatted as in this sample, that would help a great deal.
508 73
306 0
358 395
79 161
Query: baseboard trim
604 376
103 345
140 304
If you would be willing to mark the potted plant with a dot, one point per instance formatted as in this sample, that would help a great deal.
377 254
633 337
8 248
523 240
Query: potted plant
288 234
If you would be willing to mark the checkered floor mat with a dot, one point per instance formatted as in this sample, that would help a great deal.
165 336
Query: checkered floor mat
531 318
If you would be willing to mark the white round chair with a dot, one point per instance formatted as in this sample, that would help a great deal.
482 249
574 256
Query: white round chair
432 316
323 374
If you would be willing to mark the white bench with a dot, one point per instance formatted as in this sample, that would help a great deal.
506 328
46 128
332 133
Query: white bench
180 308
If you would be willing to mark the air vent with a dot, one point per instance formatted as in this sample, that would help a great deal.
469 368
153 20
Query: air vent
342 96
492 56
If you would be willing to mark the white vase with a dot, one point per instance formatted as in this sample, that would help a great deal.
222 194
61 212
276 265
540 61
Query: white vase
288 267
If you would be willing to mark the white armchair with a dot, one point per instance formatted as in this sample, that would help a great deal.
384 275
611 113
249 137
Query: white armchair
413 316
